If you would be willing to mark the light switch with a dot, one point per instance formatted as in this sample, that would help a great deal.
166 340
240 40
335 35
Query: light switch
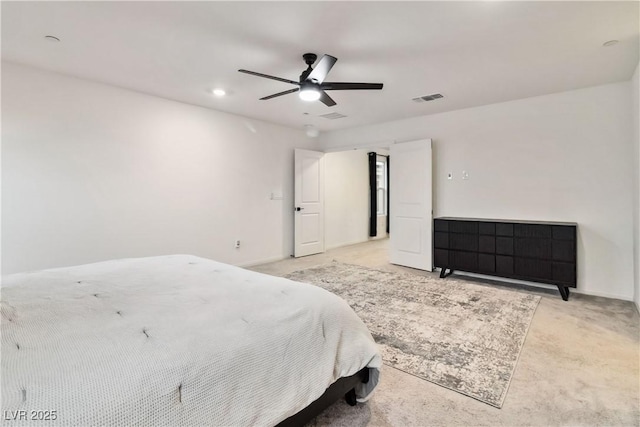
465 175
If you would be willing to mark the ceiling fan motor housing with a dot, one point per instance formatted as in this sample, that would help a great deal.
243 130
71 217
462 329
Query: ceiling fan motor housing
309 59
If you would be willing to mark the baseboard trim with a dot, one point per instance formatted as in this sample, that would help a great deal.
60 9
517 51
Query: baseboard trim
602 294
261 261
369 239
342 245
542 285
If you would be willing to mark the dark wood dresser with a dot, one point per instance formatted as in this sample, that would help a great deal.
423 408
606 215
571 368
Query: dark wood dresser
543 252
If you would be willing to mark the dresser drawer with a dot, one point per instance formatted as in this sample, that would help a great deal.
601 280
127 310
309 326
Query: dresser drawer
563 232
488 228
441 239
441 258
530 268
563 250
487 244
504 245
563 272
486 263
465 242
469 227
532 230
504 265
466 261
504 229
533 248
440 225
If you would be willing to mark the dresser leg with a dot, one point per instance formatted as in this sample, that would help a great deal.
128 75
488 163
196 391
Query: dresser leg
443 272
564 292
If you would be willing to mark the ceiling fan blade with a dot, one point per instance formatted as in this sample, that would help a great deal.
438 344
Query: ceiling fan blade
266 76
350 86
280 93
321 70
326 99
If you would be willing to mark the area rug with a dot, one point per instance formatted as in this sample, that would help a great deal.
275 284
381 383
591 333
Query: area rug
456 334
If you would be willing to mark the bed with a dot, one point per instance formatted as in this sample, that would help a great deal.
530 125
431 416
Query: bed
176 340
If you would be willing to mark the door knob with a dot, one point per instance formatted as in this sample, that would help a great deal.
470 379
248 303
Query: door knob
298 209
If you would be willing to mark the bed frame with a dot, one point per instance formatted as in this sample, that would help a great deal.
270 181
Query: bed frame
342 387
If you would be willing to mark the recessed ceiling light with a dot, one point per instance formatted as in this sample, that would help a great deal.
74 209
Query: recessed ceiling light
52 38
219 92
610 43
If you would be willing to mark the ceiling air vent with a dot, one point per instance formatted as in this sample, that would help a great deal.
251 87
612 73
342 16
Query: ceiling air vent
428 97
333 116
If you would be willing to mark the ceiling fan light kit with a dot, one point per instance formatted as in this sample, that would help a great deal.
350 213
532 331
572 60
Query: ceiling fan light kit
309 92
312 86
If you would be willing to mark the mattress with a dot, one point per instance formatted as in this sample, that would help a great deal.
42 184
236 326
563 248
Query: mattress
174 340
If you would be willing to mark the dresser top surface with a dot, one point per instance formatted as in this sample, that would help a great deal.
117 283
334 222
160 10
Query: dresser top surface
510 221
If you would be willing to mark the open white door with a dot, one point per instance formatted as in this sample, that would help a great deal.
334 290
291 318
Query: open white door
410 204
309 203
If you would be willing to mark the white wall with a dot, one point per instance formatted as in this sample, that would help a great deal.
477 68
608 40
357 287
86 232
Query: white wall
93 172
563 157
635 95
346 201
347 198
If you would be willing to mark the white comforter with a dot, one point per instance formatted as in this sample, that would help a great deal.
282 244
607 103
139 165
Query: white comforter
176 340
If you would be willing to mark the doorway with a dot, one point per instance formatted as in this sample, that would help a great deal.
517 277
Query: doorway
378 194
347 200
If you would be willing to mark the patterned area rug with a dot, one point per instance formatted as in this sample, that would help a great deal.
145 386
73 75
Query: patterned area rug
456 334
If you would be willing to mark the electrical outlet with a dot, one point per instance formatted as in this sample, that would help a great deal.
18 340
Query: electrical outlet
237 244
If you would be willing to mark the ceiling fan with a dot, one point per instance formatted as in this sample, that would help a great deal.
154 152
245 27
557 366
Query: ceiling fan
312 86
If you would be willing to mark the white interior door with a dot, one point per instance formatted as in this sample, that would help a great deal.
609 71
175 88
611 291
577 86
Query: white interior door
309 203
411 204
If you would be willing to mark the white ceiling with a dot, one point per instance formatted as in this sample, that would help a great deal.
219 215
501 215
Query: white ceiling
474 53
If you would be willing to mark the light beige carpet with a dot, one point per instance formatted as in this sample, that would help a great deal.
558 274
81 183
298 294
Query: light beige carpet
456 334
